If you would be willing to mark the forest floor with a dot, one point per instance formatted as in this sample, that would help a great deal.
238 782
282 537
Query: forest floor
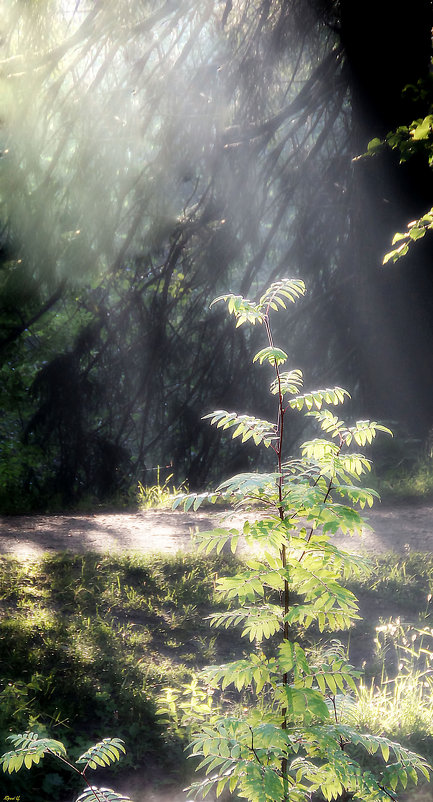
398 528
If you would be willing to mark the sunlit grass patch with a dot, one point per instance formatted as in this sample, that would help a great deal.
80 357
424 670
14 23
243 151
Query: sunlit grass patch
88 641
159 496
400 699
395 579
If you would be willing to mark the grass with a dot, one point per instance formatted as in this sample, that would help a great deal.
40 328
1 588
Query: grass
158 496
87 642
397 701
400 698
395 696
412 482
403 468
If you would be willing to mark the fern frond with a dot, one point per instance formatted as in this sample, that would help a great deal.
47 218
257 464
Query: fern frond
194 500
249 484
94 794
29 749
319 449
364 432
245 311
275 356
407 762
261 431
256 669
328 422
289 382
251 617
317 398
216 539
103 753
285 289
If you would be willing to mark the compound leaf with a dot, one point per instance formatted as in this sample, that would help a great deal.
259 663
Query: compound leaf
103 753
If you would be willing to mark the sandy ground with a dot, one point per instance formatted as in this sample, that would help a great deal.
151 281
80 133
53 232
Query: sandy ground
399 528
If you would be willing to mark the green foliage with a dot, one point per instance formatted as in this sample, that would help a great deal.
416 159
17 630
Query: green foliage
29 748
261 431
415 231
85 643
102 753
410 140
288 738
399 697
139 624
246 311
93 794
158 496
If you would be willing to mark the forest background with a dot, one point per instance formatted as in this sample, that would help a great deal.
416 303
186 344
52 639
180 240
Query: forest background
156 154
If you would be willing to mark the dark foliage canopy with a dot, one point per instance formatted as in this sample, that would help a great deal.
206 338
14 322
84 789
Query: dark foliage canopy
156 154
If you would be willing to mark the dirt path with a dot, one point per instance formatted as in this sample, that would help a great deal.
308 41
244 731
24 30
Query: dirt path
399 528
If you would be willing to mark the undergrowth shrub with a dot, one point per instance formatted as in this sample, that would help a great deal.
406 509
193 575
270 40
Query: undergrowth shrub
292 734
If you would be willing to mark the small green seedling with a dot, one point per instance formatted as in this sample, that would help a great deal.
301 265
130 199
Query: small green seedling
291 737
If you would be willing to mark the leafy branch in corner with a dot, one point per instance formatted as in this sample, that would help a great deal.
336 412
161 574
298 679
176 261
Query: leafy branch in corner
29 749
415 139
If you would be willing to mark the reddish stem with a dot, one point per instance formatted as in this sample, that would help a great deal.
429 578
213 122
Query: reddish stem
283 553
